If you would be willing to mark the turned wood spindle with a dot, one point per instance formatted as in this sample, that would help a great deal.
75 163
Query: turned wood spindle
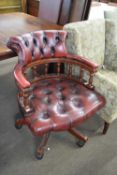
81 75
90 84
70 70
35 73
26 100
46 69
58 68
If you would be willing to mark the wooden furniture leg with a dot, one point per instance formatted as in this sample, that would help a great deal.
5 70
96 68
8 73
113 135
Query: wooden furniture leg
19 121
106 126
41 147
82 139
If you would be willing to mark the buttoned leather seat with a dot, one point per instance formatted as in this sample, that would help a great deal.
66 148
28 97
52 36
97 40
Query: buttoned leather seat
60 105
55 100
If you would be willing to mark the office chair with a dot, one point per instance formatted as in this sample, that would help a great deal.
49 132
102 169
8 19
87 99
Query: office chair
52 101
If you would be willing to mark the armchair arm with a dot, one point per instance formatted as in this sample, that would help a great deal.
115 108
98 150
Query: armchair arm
88 64
22 81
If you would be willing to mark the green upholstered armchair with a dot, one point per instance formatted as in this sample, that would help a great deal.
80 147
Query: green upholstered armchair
97 40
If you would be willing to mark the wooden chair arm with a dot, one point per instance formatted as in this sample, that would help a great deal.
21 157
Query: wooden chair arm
20 78
86 63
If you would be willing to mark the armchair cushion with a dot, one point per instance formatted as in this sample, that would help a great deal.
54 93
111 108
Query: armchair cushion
111 45
111 14
85 38
105 82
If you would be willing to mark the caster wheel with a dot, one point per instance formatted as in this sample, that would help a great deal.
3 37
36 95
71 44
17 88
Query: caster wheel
80 143
18 117
39 157
18 126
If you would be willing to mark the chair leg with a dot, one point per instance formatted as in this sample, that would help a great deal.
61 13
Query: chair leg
78 135
41 147
106 127
19 121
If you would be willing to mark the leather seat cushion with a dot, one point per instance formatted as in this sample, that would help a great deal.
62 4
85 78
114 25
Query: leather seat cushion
61 104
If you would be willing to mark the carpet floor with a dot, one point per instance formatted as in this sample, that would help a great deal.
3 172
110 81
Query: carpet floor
97 157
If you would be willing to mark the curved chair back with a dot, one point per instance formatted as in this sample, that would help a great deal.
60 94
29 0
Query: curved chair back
38 45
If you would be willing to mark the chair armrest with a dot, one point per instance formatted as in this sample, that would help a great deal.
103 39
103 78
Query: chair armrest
87 64
20 78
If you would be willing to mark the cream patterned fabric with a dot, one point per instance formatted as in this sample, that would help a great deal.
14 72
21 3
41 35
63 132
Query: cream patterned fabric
111 45
105 82
111 14
87 39
84 38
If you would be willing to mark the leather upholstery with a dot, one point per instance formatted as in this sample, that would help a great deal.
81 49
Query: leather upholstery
60 104
37 45
57 101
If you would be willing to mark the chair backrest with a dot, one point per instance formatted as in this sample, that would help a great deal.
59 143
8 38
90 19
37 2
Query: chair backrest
37 45
110 60
87 39
43 54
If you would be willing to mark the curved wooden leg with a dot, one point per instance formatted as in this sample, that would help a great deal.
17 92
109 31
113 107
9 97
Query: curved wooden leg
77 134
106 127
82 139
41 147
19 121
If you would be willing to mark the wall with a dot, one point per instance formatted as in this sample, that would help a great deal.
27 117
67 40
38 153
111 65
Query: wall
10 6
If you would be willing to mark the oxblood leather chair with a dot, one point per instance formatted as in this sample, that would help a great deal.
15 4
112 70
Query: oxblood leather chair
56 101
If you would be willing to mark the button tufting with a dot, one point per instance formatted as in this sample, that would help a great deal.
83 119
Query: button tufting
61 107
26 43
60 96
52 50
47 91
44 115
57 39
45 40
41 51
35 41
33 54
46 100
77 102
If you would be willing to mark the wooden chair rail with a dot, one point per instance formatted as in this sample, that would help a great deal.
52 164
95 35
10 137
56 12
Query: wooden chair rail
68 65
